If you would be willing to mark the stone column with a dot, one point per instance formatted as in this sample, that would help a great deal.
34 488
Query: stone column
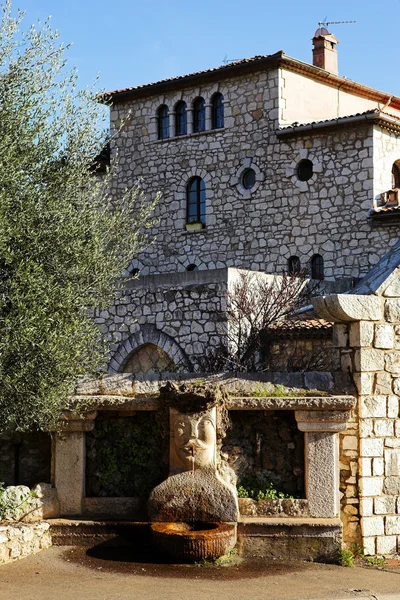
172 124
69 462
208 108
189 112
322 459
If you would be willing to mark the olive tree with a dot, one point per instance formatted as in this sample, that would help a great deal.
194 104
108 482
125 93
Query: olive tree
64 239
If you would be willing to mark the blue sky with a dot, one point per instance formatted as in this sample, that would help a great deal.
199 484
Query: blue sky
132 42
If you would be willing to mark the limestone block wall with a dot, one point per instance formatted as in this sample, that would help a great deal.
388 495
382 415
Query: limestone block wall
261 228
21 540
370 349
183 314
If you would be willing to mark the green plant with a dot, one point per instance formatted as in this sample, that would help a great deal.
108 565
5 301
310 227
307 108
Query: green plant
257 488
14 503
375 561
345 558
66 234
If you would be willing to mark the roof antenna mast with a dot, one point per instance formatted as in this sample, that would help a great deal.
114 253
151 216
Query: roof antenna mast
325 23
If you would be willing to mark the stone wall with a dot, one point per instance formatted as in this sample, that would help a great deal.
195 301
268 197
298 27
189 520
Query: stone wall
280 216
20 540
367 344
25 458
267 447
183 314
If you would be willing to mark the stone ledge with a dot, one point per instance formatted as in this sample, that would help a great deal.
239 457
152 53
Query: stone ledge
19 540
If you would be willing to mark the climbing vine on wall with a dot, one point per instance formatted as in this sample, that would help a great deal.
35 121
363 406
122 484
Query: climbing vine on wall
123 456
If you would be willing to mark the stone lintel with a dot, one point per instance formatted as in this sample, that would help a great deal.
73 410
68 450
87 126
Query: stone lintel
341 308
306 403
324 420
73 423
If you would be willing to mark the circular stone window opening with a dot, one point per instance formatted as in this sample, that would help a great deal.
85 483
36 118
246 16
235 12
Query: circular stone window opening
305 170
248 179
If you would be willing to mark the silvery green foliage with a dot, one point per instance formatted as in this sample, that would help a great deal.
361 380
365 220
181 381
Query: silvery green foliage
63 240
15 502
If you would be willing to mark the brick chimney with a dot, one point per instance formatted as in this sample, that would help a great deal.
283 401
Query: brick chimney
324 52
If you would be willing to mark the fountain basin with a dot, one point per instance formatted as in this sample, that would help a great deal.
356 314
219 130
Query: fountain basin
185 542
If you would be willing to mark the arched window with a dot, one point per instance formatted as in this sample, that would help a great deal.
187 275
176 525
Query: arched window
217 111
163 122
196 201
396 175
317 267
199 115
294 265
181 119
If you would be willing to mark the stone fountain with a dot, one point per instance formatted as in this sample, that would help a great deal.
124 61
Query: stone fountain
195 510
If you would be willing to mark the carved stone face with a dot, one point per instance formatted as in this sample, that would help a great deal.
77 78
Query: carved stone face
192 440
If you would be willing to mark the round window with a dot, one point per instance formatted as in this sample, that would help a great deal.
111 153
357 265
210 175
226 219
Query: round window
248 179
305 170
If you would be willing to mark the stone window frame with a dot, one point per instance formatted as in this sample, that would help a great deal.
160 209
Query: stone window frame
189 100
181 195
149 334
291 171
236 180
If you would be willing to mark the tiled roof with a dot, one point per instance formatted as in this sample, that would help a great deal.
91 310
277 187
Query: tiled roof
304 323
374 114
221 68
251 64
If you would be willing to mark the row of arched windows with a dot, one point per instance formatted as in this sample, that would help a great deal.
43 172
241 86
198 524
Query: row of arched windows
199 117
316 265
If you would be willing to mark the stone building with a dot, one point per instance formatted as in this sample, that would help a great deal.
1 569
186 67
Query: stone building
265 164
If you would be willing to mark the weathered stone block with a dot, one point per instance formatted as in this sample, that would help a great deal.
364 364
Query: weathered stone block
392 362
386 545
373 406
369 359
392 462
383 383
371 447
391 486
384 336
363 383
366 507
392 525
371 486
340 335
393 407
378 466
385 505
392 310
365 467
373 526
369 546
383 427
361 334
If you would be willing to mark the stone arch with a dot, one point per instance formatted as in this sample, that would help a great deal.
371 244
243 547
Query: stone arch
149 334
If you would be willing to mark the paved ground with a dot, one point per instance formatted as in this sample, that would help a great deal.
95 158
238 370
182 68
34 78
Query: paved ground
65 573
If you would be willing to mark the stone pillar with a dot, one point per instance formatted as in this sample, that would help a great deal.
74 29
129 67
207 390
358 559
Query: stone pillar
208 108
189 112
69 462
172 124
322 459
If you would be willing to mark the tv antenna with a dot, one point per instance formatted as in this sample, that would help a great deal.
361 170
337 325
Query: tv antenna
227 60
326 23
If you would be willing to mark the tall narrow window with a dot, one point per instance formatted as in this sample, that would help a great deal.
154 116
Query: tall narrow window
396 175
317 267
199 115
196 201
217 111
294 265
163 122
181 119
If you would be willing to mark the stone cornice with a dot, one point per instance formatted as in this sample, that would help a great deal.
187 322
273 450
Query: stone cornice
342 308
